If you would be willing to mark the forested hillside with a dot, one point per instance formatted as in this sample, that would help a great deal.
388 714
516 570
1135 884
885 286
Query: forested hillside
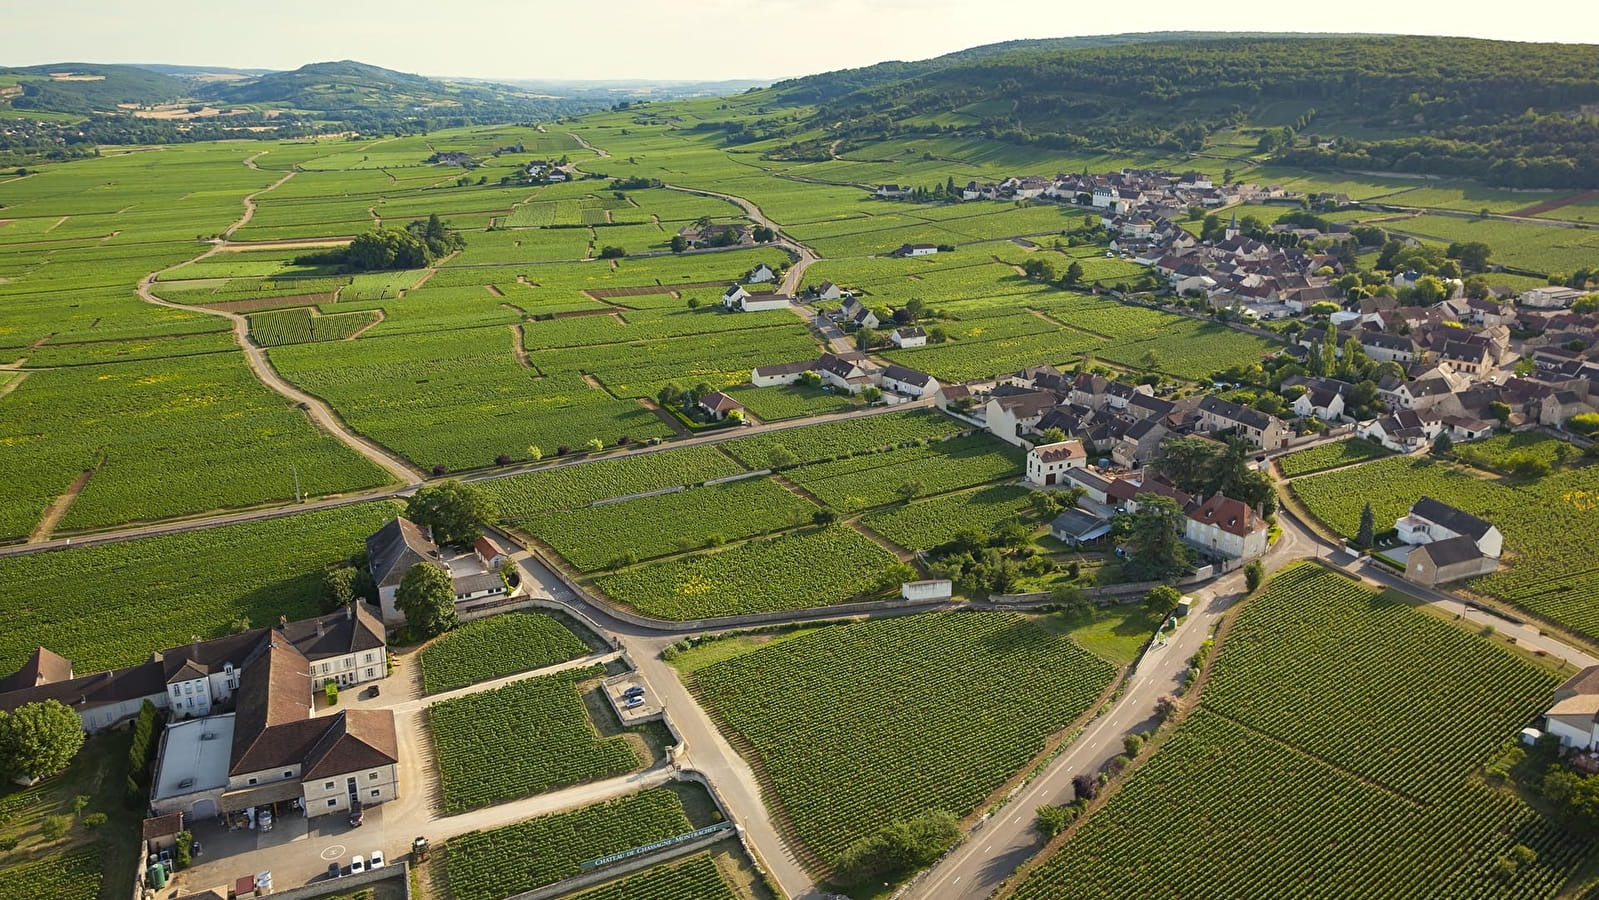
1513 114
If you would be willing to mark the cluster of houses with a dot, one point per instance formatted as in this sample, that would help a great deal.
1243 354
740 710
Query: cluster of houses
243 733
730 234
1219 526
850 373
1126 191
398 546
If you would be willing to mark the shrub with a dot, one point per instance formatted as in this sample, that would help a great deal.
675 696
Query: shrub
1085 786
330 690
94 820
55 826
1052 820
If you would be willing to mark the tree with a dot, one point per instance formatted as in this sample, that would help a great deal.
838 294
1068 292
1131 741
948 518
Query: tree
1499 410
1442 444
762 234
594 445
669 395
1085 786
871 393
824 517
1471 254
1074 274
454 510
339 587
1072 602
910 490
1161 601
427 598
1254 574
1574 797
534 453
898 847
678 244
1156 539
1366 535
38 740
1149 361
1039 269
612 252
780 457
866 339
1052 435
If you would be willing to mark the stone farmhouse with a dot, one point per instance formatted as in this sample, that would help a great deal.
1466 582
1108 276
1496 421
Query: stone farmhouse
1574 715
1219 525
401 544
1047 464
737 299
1450 544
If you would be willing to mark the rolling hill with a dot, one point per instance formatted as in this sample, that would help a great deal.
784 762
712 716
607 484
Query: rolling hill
1516 114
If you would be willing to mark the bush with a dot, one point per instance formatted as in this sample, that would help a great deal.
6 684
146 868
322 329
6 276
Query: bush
94 820
1052 820
183 853
1085 786
899 847
1133 743
55 827
330 690
1254 574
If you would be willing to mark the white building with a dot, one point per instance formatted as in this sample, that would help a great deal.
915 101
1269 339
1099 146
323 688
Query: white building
932 589
912 336
1429 520
1574 716
1047 464
761 274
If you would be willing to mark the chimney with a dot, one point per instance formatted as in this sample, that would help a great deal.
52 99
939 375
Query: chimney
349 611
283 621
320 628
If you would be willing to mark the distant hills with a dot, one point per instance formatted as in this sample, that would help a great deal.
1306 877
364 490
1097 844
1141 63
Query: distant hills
1516 114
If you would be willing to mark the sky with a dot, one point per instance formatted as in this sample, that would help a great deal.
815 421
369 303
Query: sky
703 40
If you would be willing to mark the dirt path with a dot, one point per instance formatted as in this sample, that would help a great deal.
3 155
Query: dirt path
249 201
669 420
381 315
518 347
807 256
319 412
904 556
7 387
1538 209
58 509
494 290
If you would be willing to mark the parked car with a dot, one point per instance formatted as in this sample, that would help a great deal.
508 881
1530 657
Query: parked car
372 691
375 861
357 865
633 703
634 691
334 871
357 817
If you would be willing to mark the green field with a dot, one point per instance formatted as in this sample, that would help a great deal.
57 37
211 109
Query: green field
1360 782
524 738
496 647
569 487
1548 525
1329 456
924 524
798 570
857 726
596 537
696 878
176 586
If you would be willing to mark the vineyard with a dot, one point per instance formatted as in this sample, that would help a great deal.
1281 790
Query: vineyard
70 876
495 647
1329 456
856 726
176 586
835 439
303 326
695 878
522 496
1308 793
1548 525
800 570
524 738
793 401
491 865
862 482
593 537
925 524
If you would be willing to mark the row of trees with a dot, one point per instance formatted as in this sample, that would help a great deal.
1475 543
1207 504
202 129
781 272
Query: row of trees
416 246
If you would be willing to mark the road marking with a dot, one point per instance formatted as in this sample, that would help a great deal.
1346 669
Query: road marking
334 852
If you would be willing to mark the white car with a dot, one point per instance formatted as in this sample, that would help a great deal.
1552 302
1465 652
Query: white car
357 865
376 860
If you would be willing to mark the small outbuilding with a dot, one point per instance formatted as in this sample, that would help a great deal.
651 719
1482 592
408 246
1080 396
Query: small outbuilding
931 589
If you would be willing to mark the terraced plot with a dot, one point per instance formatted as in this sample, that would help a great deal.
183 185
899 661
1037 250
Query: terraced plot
495 647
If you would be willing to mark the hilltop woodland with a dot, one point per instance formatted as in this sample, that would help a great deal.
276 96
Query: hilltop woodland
1438 106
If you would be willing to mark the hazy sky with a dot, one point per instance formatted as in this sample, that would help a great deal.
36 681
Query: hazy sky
695 40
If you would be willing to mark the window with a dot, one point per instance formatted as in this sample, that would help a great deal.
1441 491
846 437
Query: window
368 658
174 690
372 777
252 781
288 774
188 687
333 801
376 792
328 786
371 673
